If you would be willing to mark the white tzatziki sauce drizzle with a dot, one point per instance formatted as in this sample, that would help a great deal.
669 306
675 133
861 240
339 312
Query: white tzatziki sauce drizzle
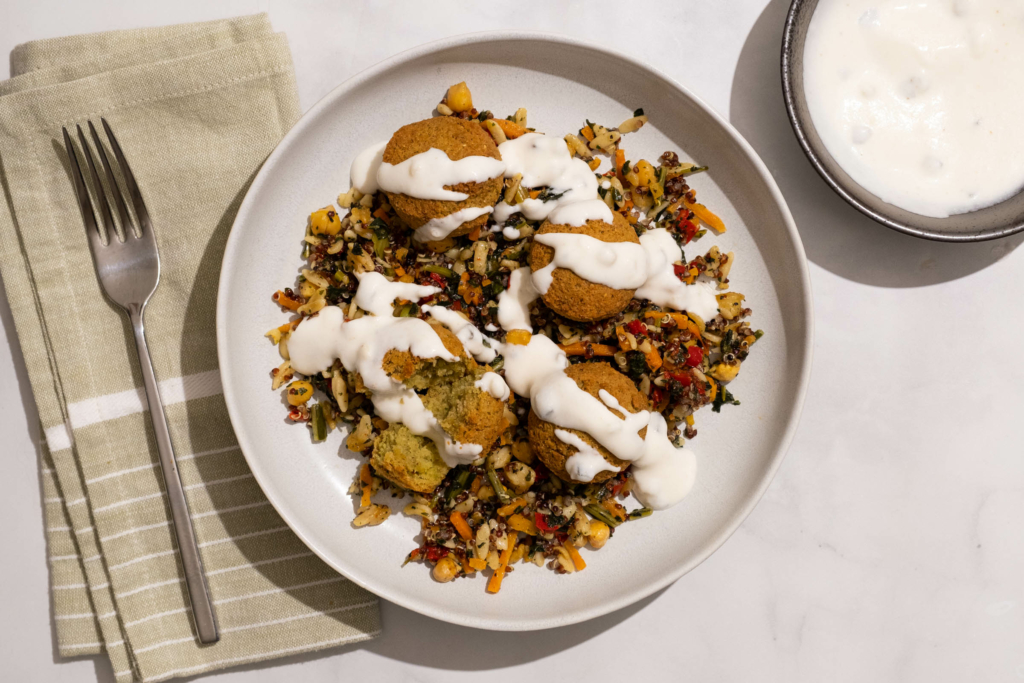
425 175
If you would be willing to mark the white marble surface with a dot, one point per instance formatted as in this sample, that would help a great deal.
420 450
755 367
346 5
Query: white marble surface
889 547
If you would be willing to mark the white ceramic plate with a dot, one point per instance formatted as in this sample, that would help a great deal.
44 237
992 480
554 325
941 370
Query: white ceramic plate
561 82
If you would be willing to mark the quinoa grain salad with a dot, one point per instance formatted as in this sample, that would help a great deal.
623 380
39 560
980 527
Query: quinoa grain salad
508 326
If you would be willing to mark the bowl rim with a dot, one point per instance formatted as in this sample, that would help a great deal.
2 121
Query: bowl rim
801 274
800 127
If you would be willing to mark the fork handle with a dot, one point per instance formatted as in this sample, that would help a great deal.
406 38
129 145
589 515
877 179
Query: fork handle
195 578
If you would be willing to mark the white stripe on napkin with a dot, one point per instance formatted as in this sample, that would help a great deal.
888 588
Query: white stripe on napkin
112 406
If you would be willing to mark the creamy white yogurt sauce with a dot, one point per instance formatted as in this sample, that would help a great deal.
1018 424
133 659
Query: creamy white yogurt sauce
363 172
663 287
376 294
578 213
586 463
361 345
921 102
645 267
619 265
425 175
492 383
544 162
476 343
514 303
438 228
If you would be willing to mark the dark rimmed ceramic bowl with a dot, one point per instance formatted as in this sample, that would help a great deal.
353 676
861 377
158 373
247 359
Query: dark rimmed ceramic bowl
1000 220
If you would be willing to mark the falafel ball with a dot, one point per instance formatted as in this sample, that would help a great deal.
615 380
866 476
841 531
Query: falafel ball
465 412
408 460
458 139
570 295
591 378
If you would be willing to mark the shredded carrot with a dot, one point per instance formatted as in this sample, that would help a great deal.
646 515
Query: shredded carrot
534 194
586 132
594 163
620 333
704 214
477 563
627 206
464 277
653 358
494 585
284 300
399 271
475 486
475 235
513 507
520 523
620 159
367 480
714 388
577 559
382 214
511 129
459 522
580 349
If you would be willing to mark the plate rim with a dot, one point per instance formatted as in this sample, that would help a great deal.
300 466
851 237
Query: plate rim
625 598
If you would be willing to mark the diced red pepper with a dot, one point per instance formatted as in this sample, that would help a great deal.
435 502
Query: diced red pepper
683 379
436 552
688 228
694 356
438 280
541 520
679 269
657 394
636 327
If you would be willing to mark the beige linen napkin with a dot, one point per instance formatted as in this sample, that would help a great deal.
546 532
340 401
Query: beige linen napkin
196 108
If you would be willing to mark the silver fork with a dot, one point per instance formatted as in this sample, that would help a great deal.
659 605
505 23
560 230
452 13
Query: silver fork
128 271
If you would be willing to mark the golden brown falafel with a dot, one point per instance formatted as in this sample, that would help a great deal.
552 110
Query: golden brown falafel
422 373
408 460
570 295
458 139
465 412
591 377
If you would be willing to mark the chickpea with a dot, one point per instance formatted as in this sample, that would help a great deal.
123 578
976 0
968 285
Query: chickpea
520 475
459 98
445 570
486 493
299 392
599 533
325 221
499 458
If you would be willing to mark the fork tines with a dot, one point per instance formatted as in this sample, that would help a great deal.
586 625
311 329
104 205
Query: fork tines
82 187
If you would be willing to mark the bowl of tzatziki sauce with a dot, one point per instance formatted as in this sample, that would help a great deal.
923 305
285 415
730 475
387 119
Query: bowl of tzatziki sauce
913 112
